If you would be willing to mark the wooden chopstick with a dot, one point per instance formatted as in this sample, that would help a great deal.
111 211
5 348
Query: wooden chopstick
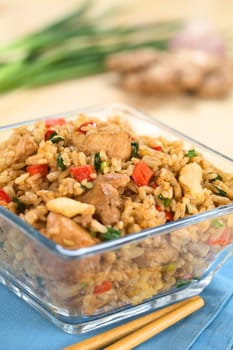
168 315
155 327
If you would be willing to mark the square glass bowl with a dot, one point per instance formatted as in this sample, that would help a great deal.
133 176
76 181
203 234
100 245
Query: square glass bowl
71 287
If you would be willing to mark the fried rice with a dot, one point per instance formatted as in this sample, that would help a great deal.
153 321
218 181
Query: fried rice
85 181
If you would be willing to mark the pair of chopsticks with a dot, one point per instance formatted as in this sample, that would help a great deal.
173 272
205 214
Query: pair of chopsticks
135 332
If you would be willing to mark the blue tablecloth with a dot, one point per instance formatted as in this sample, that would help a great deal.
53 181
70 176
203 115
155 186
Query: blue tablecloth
210 328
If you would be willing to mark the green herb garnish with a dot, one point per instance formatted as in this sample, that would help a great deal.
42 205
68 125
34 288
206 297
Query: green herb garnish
218 177
220 191
60 162
181 283
52 135
56 138
97 161
134 149
111 234
191 153
217 223
166 201
20 205
83 187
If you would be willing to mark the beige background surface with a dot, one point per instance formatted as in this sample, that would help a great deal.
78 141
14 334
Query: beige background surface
209 121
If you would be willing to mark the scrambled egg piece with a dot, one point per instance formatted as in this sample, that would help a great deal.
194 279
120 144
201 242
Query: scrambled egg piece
190 180
69 207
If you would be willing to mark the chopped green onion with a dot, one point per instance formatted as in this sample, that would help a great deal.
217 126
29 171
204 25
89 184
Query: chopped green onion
103 166
52 135
134 149
191 153
20 205
220 191
184 282
217 223
75 46
111 234
56 138
97 161
60 162
218 177
166 201
84 187
181 283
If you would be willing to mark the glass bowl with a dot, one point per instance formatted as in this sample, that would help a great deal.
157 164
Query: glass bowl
83 289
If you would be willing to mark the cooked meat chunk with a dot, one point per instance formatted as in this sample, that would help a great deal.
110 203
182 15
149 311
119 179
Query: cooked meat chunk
25 147
105 197
115 179
66 232
116 144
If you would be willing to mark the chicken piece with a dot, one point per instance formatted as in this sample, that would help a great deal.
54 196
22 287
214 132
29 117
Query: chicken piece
25 147
116 143
69 207
115 179
105 197
67 233
190 179
129 61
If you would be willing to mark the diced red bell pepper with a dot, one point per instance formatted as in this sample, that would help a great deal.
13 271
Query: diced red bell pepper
82 172
83 127
38 169
225 238
142 174
168 214
49 133
4 197
54 121
157 148
103 287
153 184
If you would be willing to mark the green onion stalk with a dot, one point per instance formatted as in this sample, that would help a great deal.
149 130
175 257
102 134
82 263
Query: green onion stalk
75 46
